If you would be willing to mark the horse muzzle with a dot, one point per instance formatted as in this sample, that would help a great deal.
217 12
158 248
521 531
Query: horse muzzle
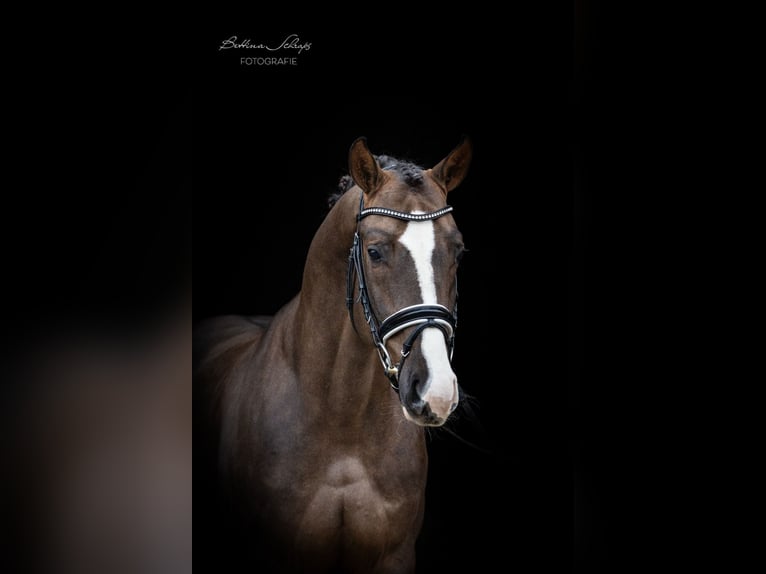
428 386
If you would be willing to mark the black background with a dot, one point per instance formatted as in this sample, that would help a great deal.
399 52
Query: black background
577 306
271 144
555 297
581 210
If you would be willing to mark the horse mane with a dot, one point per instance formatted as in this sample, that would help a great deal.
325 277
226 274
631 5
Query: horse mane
409 172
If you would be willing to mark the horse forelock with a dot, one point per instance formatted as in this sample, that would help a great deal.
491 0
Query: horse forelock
410 173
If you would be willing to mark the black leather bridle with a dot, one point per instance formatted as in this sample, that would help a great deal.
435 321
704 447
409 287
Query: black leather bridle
421 316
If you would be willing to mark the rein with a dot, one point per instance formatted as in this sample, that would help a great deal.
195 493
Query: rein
420 316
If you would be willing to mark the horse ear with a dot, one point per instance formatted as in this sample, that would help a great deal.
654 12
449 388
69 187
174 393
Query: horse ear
363 167
452 169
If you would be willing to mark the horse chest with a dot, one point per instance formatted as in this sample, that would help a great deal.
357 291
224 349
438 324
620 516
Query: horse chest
347 509
347 495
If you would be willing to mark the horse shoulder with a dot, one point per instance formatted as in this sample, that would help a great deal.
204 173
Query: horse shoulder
243 362
219 345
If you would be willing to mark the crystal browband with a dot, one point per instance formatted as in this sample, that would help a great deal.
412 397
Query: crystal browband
404 215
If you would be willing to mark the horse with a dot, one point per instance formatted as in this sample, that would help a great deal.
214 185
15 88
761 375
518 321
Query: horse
321 410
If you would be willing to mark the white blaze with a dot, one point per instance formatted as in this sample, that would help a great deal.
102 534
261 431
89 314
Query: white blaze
440 390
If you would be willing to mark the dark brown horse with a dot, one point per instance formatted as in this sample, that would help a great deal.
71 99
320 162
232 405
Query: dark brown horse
313 445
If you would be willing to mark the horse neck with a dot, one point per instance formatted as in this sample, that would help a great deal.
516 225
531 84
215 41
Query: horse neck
335 363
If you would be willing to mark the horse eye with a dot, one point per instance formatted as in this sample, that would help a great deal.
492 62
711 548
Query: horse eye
374 254
459 256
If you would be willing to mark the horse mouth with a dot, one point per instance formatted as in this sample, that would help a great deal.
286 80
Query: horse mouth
424 419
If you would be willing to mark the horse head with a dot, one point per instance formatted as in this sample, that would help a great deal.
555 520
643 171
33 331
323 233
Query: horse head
405 256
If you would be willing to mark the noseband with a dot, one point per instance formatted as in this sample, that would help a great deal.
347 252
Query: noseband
420 316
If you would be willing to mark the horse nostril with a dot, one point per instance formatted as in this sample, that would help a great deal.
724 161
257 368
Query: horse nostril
417 404
416 384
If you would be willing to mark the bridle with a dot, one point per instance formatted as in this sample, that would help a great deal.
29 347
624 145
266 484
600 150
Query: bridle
421 316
